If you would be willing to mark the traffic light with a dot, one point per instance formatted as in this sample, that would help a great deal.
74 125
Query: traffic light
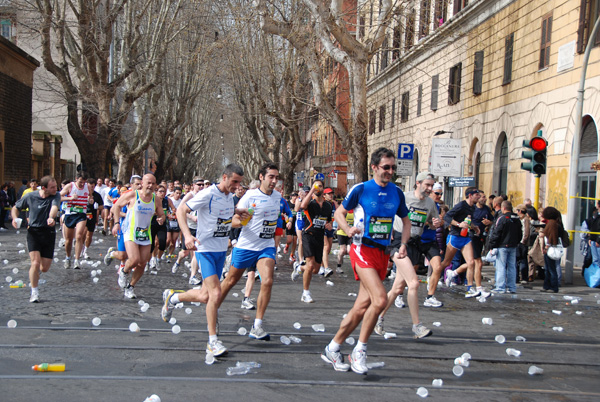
537 156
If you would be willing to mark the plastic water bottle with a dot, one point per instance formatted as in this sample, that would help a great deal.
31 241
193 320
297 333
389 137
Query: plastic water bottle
152 398
238 370
250 212
285 340
247 364
464 232
49 367
513 352
357 238
533 370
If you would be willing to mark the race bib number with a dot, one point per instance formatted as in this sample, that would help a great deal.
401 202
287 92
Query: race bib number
89 216
78 210
380 227
173 224
417 217
268 230
223 228
319 223
142 234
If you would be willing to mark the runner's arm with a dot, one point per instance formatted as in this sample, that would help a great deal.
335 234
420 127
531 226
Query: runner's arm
340 217
190 241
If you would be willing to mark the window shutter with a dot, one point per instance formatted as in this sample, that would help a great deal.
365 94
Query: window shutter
508 57
435 81
478 73
419 99
581 28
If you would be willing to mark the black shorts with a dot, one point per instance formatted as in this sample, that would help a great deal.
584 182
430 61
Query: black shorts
344 240
90 225
172 229
72 220
42 240
312 246
292 230
193 232
477 245
415 249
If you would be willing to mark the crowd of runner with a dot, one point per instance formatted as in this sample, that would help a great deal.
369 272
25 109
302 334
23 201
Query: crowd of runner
228 230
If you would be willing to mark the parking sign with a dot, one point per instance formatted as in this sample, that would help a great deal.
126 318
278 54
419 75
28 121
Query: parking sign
405 159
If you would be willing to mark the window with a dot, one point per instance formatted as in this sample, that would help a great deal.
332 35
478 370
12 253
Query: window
361 28
441 13
435 83
409 35
588 12
508 58
6 28
381 118
404 108
396 42
393 117
545 43
372 120
459 5
371 16
424 19
501 162
454 85
384 53
478 73
419 99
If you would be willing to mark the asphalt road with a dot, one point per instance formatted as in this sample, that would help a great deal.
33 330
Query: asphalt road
110 363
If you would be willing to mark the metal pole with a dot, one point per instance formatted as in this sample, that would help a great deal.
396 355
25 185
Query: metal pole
573 165
536 200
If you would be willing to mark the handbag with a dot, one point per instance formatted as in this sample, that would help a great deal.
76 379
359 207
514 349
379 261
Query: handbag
555 252
537 253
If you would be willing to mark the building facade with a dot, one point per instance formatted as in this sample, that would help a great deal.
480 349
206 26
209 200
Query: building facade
492 74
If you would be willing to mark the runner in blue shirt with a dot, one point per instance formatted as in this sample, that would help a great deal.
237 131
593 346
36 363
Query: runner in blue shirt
375 203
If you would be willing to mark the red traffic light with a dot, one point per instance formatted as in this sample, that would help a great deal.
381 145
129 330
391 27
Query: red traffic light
538 144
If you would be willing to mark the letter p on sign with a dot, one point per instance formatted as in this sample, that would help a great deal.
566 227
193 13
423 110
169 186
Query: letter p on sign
405 151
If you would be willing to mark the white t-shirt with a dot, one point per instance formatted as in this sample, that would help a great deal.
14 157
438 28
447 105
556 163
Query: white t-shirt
259 233
215 210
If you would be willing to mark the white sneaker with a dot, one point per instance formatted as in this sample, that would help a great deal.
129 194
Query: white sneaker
328 272
247 304
76 265
399 302
449 277
175 267
421 331
152 263
322 271
379 327
307 298
216 348
195 280
296 272
108 257
86 255
122 280
339 271
67 264
432 302
35 297
335 359
358 361
129 293
484 293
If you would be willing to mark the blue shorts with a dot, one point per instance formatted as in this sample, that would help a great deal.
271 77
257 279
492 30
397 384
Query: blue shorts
329 233
211 263
299 224
121 242
242 259
458 242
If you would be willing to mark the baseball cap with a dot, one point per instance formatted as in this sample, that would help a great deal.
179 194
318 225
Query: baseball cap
306 188
437 186
424 176
327 191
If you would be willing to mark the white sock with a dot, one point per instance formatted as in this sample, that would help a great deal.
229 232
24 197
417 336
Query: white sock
212 338
175 298
333 346
257 323
360 346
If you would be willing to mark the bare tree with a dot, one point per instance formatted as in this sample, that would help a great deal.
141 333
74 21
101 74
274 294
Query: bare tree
330 31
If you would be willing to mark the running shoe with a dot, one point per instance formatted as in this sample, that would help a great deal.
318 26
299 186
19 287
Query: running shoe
472 293
259 333
168 307
175 267
216 348
86 255
296 271
399 302
379 327
195 280
335 359
339 270
421 331
129 292
247 304
122 280
431 301
307 298
484 293
328 272
35 297
108 257
450 274
322 271
152 263
358 361
286 249
76 265
67 264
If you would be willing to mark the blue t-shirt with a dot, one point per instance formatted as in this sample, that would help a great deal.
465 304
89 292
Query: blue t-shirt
284 208
376 206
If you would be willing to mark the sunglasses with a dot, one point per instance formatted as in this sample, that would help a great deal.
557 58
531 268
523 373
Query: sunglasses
388 167
437 193
199 184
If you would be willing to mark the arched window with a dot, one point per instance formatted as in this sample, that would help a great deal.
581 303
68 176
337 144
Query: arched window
586 179
477 167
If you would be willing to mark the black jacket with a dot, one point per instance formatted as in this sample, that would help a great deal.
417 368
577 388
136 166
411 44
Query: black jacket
507 232
594 226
